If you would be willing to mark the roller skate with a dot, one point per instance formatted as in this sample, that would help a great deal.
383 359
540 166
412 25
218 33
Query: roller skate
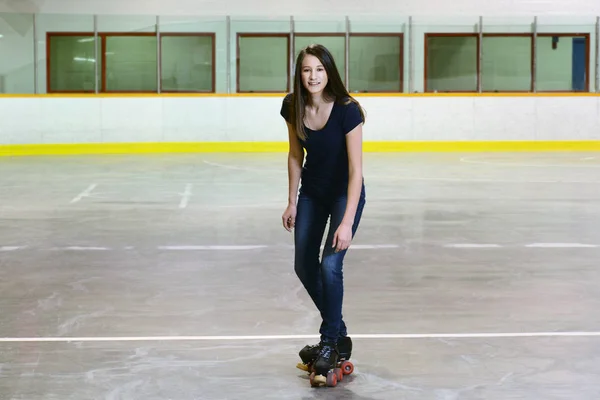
324 369
345 352
310 353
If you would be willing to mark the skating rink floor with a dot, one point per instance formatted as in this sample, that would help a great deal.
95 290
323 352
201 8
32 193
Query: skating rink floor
170 277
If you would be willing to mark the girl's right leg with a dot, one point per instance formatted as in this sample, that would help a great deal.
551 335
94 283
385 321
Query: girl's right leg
311 219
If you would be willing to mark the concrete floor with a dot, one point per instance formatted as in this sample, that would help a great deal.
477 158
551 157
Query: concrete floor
473 276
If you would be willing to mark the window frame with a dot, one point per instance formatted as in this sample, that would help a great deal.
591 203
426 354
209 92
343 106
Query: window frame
240 35
292 50
102 66
533 57
49 36
587 60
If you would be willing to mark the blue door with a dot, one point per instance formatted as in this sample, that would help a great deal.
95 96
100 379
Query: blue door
578 67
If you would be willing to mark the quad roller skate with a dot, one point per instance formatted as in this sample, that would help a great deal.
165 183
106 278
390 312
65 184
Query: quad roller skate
327 364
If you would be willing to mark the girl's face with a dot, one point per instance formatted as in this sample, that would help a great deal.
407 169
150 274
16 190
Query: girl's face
314 77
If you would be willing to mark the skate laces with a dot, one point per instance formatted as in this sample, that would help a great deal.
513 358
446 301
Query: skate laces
326 351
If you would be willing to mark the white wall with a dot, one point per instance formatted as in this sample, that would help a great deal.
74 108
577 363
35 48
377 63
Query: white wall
307 7
199 119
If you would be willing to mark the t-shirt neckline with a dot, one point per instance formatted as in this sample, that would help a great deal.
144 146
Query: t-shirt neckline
326 122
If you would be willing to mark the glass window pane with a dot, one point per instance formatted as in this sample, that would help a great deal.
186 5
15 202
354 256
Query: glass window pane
263 64
562 63
72 62
506 63
375 63
16 53
187 63
451 63
131 63
335 44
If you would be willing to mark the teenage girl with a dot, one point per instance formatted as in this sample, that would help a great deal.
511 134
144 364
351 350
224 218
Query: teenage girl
324 121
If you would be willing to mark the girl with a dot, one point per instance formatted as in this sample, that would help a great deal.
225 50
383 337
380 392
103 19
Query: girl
326 122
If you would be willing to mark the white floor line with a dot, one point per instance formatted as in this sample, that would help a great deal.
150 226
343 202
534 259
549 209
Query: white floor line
192 248
82 248
186 196
291 246
412 178
480 180
482 160
11 248
368 246
242 168
562 245
86 193
472 245
295 337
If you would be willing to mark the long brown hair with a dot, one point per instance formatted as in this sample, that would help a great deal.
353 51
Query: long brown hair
334 91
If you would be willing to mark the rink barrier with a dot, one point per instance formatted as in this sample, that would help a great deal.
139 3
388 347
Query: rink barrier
454 145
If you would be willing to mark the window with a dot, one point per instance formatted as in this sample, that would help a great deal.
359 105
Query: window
187 62
507 62
376 62
562 62
128 62
451 62
71 62
263 62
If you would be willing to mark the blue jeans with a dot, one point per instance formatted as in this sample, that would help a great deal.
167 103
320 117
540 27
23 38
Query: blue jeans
323 279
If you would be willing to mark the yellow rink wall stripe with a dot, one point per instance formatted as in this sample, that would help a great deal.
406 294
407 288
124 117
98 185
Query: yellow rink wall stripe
270 147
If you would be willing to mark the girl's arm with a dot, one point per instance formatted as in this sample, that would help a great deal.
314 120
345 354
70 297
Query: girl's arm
355 171
295 160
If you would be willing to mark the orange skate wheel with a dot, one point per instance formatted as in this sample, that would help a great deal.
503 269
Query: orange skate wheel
339 374
347 367
332 379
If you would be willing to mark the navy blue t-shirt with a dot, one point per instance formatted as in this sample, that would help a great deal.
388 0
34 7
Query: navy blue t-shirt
325 170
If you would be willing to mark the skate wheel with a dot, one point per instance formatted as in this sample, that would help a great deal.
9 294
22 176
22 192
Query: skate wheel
313 383
347 367
332 379
339 374
318 380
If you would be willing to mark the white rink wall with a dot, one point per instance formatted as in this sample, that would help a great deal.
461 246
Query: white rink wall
66 120
151 119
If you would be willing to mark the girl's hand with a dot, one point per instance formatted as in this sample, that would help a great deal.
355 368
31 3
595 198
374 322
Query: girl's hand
289 217
342 237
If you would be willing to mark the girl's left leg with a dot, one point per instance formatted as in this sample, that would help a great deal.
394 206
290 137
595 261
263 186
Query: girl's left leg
333 326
